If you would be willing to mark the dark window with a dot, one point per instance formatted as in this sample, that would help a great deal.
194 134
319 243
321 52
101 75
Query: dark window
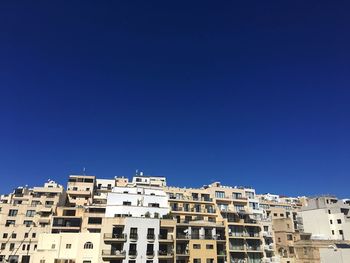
339 221
95 220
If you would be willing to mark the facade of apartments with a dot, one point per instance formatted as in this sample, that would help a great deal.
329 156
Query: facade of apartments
327 218
144 220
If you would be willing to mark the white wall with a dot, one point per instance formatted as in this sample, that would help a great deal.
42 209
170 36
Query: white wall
54 246
142 225
328 255
140 199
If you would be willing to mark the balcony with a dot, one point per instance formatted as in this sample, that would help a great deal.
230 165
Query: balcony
191 199
182 236
150 254
221 253
132 253
267 234
165 238
113 254
44 220
110 238
269 247
237 248
252 235
46 209
254 248
165 254
133 236
182 253
79 192
150 237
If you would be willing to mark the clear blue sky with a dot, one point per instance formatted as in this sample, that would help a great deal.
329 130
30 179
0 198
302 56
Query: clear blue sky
244 92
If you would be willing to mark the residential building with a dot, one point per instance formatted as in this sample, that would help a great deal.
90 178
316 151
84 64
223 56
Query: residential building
24 215
326 217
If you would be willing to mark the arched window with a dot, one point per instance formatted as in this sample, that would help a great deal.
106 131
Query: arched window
88 245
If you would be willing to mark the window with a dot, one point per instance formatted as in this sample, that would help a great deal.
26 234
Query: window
209 246
282 215
3 246
250 195
27 223
197 260
53 246
332 232
68 246
210 260
279 239
88 245
339 221
150 250
133 233
95 220
13 235
12 246
331 221
196 246
289 237
329 211
305 250
219 194
274 214
42 260
33 235
132 249
237 196
10 222
26 235
340 232
86 261
5 235
13 212
126 203
291 250
150 233
30 213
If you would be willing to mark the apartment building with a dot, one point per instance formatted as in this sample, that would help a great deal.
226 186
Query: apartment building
282 213
68 248
24 215
321 251
326 217
144 220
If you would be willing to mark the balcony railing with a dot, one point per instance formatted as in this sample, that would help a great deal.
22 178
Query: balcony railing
165 253
132 253
114 236
150 236
150 254
237 248
254 248
165 237
133 236
116 253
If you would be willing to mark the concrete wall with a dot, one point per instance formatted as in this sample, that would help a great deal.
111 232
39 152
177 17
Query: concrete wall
68 246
